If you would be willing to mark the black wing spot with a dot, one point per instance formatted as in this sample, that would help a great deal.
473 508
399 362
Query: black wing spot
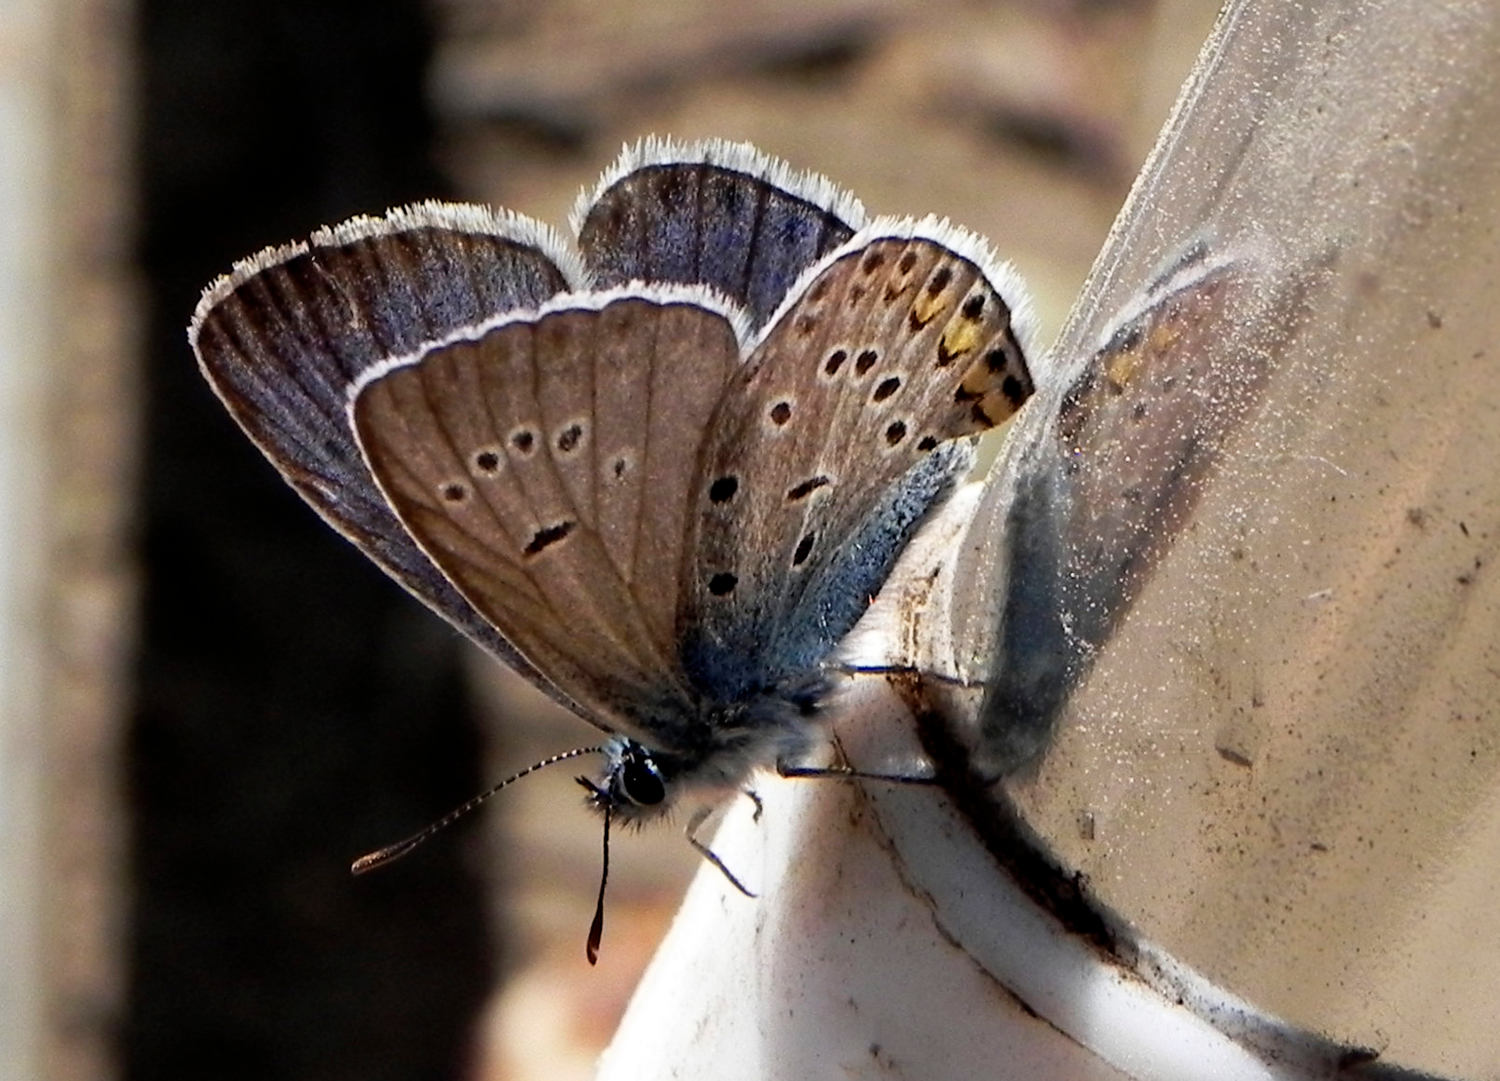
908 260
865 361
620 467
524 441
806 488
1015 393
939 281
805 325
454 492
487 462
723 489
543 539
873 261
835 362
781 412
927 442
569 438
722 584
804 549
895 432
973 308
886 388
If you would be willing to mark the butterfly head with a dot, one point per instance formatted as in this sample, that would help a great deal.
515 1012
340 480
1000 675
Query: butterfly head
635 784
639 784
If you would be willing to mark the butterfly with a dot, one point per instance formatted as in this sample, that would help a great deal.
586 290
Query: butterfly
661 473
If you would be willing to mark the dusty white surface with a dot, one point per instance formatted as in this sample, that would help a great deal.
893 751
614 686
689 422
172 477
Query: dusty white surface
886 943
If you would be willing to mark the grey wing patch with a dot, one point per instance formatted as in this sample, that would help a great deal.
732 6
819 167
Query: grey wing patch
546 466
281 339
836 441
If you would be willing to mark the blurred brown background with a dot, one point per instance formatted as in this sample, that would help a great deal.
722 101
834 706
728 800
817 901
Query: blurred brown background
228 702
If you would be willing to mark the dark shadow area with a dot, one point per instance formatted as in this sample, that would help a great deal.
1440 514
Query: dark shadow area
293 708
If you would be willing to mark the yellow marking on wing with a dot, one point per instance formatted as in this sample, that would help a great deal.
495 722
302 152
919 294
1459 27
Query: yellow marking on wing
926 309
960 338
1122 367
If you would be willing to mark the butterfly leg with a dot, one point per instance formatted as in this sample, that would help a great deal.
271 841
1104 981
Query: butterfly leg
848 773
699 817
907 670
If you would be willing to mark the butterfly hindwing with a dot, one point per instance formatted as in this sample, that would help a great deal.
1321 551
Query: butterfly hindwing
715 213
282 337
546 464
821 461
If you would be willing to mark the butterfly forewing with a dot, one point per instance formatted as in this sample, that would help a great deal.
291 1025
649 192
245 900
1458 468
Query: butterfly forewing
281 339
547 466
719 214
893 347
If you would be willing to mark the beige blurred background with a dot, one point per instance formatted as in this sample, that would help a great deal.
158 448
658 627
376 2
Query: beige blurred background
1024 121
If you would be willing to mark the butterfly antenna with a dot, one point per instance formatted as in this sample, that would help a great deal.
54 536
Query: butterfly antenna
382 856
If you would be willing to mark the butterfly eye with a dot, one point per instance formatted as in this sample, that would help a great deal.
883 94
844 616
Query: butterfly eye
640 781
